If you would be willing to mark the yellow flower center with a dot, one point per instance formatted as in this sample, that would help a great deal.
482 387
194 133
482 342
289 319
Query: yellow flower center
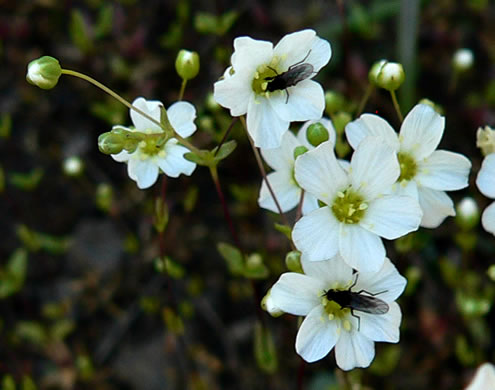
349 207
272 69
408 166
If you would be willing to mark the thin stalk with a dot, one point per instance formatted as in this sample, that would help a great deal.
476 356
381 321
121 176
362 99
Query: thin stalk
224 138
182 89
365 99
300 206
396 105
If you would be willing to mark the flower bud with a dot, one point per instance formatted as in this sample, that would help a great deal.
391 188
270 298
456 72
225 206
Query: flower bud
44 72
299 150
334 102
467 213
375 70
293 261
485 140
463 60
111 143
268 305
187 64
391 76
316 134
73 166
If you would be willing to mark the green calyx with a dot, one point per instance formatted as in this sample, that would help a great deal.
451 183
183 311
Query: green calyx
349 207
408 166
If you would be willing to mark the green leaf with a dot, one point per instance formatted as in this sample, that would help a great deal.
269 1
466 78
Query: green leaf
195 158
161 215
8 383
233 257
27 181
225 150
105 22
284 229
255 269
264 349
79 31
5 125
12 278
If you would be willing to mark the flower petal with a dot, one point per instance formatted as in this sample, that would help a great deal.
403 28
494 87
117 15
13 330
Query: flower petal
387 281
174 163
144 172
361 249
316 235
150 107
122 156
382 327
310 203
306 101
249 54
421 131
371 125
181 116
283 156
327 123
234 93
374 167
488 219
320 54
392 216
263 124
316 336
319 173
486 176
296 293
331 271
444 171
286 191
484 379
354 350
294 47
436 206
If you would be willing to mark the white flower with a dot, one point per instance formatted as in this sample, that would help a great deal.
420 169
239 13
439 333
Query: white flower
486 184
426 173
330 324
255 64
484 379
144 164
357 212
463 59
282 181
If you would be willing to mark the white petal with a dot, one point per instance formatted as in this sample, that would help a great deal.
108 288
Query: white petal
282 157
234 93
264 125
319 173
306 101
387 281
436 206
354 350
362 250
144 172
486 176
249 54
484 379
320 54
333 271
406 188
174 163
296 293
421 131
374 167
122 156
488 219
392 216
444 171
316 235
316 336
327 123
181 116
293 48
371 125
310 203
286 191
382 327
150 107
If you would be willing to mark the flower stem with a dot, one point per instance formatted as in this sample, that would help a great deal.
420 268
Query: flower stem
182 89
224 138
365 98
396 105
129 105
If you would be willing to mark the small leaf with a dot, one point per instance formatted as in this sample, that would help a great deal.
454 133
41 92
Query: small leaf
225 150
255 269
233 257
198 159
161 215
27 181
79 32
284 229
264 349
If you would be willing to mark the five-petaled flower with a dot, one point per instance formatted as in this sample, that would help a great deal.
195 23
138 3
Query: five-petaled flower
330 324
246 88
486 184
355 210
145 163
426 173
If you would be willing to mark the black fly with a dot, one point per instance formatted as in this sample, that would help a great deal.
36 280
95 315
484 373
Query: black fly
296 73
356 300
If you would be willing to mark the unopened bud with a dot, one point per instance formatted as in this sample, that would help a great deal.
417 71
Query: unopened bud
111 143
468 213
485 140
391 76
463 60
44 72
375 70
187 64
293 261
334 102
268 305
73 166
299 150
317 133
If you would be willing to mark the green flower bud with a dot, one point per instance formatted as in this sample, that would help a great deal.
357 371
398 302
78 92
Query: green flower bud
187 64
334 102
485 140
340 121
391 76
73 166
293 261
317 133
44 72
375 70
298 150
111 143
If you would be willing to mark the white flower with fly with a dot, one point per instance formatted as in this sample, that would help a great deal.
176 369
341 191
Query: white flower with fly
345 311
273 85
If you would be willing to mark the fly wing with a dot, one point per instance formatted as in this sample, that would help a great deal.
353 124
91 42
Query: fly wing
298 73
368 304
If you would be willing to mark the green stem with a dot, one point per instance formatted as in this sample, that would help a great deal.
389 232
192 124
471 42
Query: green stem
182 89
396 105
130 106
365 98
